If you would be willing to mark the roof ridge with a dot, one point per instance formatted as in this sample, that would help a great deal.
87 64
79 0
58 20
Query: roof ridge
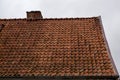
71 18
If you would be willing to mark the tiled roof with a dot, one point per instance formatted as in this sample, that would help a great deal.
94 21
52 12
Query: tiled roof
54 47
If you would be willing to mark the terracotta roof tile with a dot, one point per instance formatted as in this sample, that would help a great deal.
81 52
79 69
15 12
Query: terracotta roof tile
54 47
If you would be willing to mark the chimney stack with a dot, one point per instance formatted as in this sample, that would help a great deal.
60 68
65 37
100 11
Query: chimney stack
34 15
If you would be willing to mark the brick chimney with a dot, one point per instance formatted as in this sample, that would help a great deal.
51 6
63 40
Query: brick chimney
34 15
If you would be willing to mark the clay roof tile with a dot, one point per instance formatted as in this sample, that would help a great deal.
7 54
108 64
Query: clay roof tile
54 47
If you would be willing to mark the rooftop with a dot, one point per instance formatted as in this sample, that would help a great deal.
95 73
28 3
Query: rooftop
54 47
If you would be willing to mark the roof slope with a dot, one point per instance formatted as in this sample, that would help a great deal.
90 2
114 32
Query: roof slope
54 47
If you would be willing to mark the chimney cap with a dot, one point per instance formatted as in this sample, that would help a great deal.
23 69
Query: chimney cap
33 11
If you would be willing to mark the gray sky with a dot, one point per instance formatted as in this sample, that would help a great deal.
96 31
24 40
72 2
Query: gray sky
108 9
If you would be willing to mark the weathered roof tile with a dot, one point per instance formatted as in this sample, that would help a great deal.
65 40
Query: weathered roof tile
54 47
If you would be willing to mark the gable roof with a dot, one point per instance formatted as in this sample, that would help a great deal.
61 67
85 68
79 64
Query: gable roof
54 47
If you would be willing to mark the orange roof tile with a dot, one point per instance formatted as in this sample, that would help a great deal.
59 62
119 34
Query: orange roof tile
54 47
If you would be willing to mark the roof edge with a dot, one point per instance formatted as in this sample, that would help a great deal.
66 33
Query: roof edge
71 18
107 47
66 77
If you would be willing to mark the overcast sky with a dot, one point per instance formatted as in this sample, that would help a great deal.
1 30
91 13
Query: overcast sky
108 9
